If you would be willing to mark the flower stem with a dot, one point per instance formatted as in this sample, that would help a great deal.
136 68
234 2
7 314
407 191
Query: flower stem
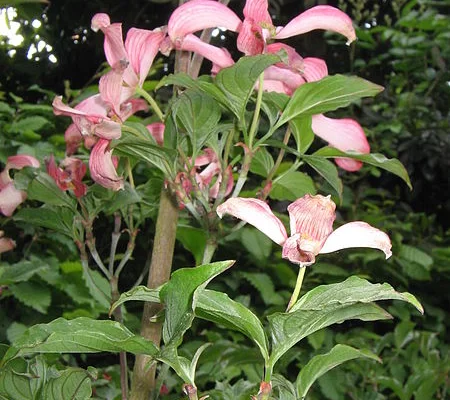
254 125
210 248
298 286
152 102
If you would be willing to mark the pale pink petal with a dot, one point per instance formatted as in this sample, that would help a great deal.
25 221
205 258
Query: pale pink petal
113 44
73 139
224 59
250 39
132 106
157 131
16 162
110 87
102 167
357 234
214 190
196 15
290 79
343 134
276 86
298 252
319 17
208 156
20 161
294 60
257 10
142 46
314 69
312 218
219 57
257 213
93 105
100 21
10 198
6 244
205 177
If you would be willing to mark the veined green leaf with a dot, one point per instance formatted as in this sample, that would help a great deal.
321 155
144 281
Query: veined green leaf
139 293
180 298
321 364
328 94
43 188
350 291
80 335
219 308
291 186
327 170
198 114
237 81
72 383
378 160
330 304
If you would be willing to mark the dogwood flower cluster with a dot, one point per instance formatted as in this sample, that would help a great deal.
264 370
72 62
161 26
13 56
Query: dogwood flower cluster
255 34
97 120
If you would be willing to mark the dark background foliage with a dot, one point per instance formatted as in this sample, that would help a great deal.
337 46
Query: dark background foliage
404 46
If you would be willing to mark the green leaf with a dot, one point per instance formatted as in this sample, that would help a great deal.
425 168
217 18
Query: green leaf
193 240
273 104
43 188
198 114
256 243
33 295
220 309
185 80
302 132
15 331
327 170
59 219
328 94
145 149
80 335
16 383
121 199
378 160
287 329
139 293
22 271
34 123
413 254
329 304
351 291
262 162
291 186
321 364
237 81
265 286
98 286
72 383
179 297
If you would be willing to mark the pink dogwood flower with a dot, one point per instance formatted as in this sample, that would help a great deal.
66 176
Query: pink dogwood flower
10 197
311 223
70 176
257 27
132 59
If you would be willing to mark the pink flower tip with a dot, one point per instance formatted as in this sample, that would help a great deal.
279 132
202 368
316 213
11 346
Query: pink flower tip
99 21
